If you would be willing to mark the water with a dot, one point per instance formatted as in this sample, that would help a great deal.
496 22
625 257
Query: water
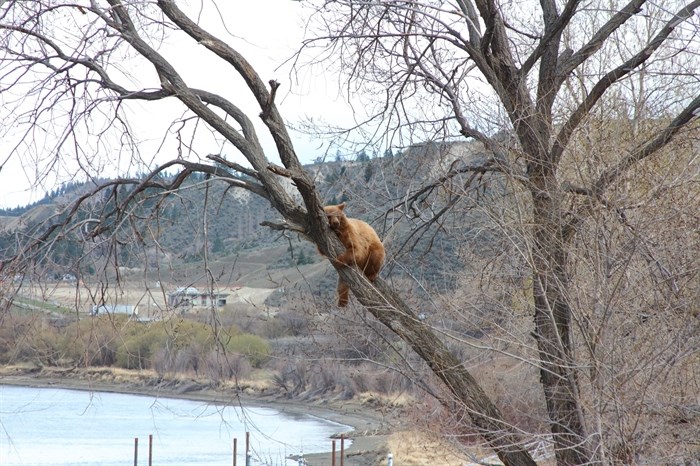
46 426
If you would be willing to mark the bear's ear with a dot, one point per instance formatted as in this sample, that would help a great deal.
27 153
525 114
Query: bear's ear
341 206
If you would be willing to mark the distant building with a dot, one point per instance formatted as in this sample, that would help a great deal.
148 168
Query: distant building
115 309
192 297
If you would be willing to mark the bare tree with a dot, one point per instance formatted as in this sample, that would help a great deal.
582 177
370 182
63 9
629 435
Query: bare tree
543 72
64 65
76 79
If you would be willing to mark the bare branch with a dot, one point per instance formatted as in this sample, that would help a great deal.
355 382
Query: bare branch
690 113
614 76
265 100
599 38
555 24
233 165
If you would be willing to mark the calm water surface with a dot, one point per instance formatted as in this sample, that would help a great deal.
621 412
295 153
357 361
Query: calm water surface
46 426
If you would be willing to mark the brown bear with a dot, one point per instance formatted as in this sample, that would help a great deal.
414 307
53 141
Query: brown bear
363 247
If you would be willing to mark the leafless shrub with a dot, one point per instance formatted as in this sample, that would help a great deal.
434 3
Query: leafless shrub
163 361
388 382
187 359
295 324
220 367
292 379
328 377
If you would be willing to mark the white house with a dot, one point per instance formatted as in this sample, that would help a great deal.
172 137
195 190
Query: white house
192 297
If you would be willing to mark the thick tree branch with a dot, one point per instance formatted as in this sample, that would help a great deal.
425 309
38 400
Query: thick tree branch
272 119
232 110
251 149
553 28
469 11
548 51
690 113
600 37
390 310
234 166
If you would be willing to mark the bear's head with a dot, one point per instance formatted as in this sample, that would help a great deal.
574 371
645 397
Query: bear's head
335 214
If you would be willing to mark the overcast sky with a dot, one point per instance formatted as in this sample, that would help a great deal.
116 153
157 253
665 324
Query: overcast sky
267 33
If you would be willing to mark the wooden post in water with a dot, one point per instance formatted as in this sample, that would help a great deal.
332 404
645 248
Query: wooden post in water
333 455
247 449
136 451
342 449
235 450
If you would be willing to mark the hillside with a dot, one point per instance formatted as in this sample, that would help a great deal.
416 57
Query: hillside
181 242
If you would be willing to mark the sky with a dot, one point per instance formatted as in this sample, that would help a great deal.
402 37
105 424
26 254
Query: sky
266 32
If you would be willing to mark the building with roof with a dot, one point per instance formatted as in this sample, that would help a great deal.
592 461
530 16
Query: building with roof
112 309
192 297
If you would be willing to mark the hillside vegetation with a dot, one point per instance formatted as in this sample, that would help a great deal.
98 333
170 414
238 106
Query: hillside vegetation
214 224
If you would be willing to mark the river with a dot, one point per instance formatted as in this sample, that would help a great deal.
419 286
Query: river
47 426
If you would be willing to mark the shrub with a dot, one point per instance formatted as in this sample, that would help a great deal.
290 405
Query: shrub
162 361
330 377
295 323
114 340
273 329
221 366
186 345
139 344
28 338
187 358
93 342
255 349
292 379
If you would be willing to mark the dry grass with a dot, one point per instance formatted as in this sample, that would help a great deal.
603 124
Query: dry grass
257 383
83 296
415 448
397 400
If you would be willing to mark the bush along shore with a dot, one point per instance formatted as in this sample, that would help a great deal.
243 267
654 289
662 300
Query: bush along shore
246 361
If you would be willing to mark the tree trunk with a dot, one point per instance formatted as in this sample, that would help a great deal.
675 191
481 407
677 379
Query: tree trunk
388 307
553 323
391 311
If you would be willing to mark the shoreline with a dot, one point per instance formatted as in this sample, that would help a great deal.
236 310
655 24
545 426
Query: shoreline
369 429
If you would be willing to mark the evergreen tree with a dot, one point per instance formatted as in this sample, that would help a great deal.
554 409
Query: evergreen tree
369 171
217 245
